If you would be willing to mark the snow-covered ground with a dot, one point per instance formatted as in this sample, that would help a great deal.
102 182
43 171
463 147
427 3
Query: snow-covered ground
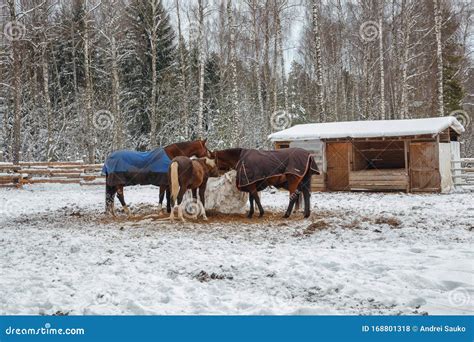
358 253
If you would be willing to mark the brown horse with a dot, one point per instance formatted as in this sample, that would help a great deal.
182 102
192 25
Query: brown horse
115 182
186 173
293 182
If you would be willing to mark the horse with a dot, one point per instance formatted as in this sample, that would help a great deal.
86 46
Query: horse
289 168
124 168
186 173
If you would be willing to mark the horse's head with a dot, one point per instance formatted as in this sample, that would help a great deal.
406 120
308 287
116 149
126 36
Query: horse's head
189 148
226 159
200 149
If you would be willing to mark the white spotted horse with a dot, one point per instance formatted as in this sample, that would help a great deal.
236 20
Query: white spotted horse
123 168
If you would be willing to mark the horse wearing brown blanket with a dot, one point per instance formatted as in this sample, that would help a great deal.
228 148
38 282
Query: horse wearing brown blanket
289 168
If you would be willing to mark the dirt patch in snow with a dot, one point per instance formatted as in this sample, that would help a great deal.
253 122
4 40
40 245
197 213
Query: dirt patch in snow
214 217
312 228
203 276
391 221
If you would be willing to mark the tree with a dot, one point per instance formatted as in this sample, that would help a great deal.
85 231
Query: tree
16 85
90 135
153 39
381 62
439 55
201 68
318 60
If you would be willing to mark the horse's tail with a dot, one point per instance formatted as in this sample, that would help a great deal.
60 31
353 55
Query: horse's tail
174 181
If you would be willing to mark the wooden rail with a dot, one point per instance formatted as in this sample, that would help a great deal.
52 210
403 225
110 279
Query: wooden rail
50 172
463 172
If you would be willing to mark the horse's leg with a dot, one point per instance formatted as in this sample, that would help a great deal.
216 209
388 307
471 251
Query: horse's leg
168 199
306 187
297 203
254 193
251 211
109 199
293 183
202 206
162 196
121 198
257 200
182 191
168 204
293 198
307 208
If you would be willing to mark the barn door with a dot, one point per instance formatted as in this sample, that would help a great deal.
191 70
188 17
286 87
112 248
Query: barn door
424 167
337 158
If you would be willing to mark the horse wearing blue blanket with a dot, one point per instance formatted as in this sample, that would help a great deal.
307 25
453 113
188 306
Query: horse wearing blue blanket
123 168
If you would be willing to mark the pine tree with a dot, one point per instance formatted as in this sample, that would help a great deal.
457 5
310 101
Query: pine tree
152 39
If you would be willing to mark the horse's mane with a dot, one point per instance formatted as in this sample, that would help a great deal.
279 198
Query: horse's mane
183 143
234 150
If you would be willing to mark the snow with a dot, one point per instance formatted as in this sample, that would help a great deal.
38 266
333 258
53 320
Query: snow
359 253
368 129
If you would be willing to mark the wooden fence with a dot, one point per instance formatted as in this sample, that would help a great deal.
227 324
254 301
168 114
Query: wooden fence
463 172
50 172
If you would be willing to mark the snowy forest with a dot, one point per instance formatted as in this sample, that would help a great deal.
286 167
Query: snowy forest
81 78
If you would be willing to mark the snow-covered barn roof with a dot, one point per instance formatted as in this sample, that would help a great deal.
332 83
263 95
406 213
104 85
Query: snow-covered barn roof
368 129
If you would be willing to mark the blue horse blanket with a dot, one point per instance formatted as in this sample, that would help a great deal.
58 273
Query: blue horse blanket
133 162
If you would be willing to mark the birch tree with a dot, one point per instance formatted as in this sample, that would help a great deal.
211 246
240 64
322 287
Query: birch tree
199 130
45 58
90 132
253 6
184 104
111 33
381 62
317 60
16 84
439 56
235 120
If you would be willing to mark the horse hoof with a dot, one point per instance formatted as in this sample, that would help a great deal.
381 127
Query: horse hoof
260 215
249 216
286 216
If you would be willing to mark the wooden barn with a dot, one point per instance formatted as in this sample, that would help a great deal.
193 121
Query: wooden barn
411 155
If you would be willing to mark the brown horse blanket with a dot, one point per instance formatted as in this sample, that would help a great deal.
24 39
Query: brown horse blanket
256 165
